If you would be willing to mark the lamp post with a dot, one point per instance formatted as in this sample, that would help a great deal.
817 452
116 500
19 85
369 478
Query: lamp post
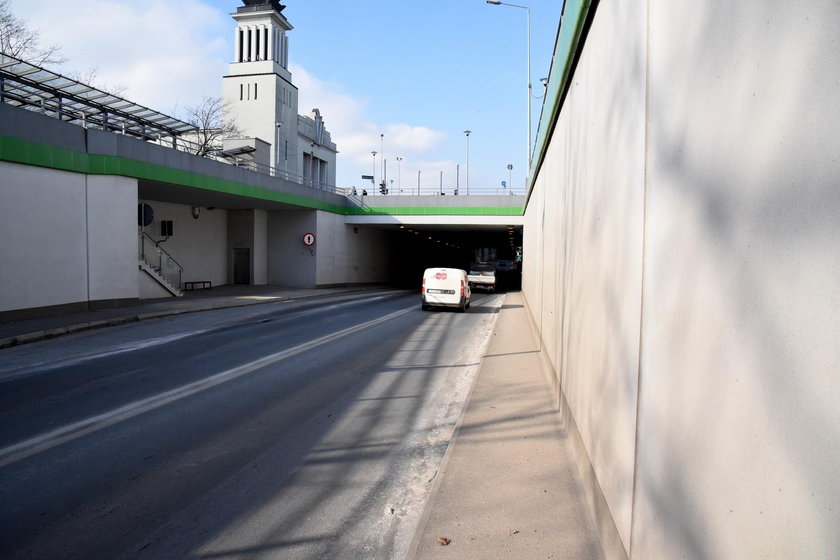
528 92
399 172
467 170
373 183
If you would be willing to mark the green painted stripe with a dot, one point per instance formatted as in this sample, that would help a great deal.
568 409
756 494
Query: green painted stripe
575 14
435 211
15 150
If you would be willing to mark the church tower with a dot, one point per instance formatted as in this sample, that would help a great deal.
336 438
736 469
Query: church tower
258 89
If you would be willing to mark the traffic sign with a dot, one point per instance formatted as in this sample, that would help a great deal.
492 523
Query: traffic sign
309 239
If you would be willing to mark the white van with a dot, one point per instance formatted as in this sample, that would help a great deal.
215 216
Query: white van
445 287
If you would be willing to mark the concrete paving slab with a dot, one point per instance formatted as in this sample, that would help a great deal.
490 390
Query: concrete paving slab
509 487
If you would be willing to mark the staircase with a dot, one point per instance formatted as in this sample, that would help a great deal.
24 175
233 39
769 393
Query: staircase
160 265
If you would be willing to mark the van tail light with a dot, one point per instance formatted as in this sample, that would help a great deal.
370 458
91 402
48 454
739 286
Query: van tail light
423 287
463 293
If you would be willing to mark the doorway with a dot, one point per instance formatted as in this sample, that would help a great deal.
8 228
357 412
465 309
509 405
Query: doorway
241 266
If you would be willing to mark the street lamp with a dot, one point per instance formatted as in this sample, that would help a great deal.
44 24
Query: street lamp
528 21
373 182
467 133
544 82
399 180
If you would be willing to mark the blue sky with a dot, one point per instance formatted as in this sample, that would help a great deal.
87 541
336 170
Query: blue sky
419 72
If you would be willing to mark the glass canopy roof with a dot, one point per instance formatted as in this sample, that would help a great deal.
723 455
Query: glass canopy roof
35 88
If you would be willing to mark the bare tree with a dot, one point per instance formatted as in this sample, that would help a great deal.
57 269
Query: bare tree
19 41
90 78
209 118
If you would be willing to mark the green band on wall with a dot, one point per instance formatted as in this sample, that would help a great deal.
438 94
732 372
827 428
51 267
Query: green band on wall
15 150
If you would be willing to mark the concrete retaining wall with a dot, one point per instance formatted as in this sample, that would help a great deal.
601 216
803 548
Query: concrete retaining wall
351 254
67 238
682 263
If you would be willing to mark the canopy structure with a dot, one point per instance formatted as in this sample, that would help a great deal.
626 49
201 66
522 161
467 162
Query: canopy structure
25 85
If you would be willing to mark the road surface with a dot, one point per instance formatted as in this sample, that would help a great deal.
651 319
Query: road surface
309 429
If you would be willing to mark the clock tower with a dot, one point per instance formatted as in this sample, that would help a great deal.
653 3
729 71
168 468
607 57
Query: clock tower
258 89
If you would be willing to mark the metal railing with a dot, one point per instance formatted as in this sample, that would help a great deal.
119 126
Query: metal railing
435 191
159 260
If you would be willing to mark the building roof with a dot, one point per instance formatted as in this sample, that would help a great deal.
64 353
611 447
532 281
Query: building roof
277 6
25 85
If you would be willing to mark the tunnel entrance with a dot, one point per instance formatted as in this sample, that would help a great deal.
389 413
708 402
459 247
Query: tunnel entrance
415 248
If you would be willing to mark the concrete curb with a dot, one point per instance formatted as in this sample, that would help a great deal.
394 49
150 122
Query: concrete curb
435 489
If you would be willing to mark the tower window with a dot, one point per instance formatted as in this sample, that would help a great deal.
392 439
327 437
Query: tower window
265 43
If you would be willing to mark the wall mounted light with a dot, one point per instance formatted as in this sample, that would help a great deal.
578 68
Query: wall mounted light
195 212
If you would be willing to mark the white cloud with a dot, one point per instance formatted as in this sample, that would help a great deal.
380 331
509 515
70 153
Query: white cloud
163 58
356 135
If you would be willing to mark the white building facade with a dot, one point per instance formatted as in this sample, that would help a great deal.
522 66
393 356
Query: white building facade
262 100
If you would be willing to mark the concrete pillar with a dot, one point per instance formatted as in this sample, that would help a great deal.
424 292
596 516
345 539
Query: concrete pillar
237 42
254 43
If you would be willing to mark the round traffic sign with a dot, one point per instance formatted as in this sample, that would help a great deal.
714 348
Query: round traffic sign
309 239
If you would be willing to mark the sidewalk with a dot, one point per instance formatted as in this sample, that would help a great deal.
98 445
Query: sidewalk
30 330
508 486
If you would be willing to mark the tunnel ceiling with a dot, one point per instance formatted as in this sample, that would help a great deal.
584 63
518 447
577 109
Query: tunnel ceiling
503 238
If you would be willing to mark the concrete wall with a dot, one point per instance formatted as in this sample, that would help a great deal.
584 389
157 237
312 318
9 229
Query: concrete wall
74 242
111 234
682 263
290 262
198 244
349 254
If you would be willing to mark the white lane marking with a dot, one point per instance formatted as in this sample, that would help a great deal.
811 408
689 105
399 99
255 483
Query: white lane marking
70 432
41 367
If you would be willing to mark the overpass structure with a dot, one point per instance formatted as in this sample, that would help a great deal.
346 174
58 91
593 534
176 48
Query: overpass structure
98 217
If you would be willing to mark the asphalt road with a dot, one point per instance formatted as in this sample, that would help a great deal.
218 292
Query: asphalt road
290 430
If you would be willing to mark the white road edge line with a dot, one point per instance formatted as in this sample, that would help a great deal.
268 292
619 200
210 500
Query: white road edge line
76 430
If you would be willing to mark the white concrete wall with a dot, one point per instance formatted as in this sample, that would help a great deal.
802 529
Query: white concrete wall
198 244
149 288
290 262
112 234
73 243
686 277
44 249
260 252
349 254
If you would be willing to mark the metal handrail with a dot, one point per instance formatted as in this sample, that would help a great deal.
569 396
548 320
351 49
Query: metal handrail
160 252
